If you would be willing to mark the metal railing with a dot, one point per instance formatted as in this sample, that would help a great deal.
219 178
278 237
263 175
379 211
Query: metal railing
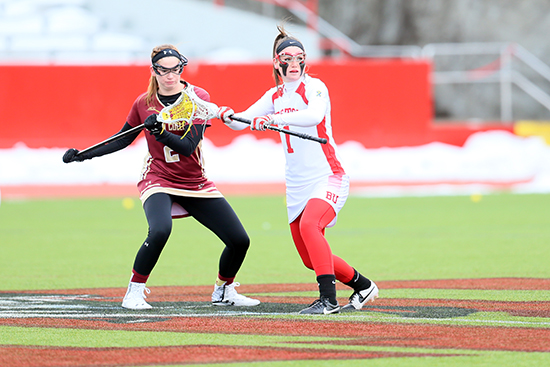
500 71
343 42
306 11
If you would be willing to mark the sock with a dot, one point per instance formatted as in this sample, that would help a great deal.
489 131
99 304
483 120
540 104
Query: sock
138 278
359 282
327 287
221 280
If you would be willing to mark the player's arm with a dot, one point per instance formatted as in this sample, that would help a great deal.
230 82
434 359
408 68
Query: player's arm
185 144
263 106
311 116
317 108
111 147
118 144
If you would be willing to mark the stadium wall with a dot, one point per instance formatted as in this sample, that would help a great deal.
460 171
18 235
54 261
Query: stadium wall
375 102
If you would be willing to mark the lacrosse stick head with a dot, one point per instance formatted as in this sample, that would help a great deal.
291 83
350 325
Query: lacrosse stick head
203 110
187 108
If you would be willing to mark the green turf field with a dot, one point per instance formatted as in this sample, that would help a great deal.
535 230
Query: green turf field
78 243
56 244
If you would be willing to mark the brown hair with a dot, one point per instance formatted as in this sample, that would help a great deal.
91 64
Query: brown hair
281 37
153 84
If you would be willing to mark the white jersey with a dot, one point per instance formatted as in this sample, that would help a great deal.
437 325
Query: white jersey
304 106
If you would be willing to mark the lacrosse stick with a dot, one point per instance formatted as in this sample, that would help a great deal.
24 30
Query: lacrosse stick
206 110
188 107
284 131
113 138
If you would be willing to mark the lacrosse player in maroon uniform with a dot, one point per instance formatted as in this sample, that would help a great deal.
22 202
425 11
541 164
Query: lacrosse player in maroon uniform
174 184
316 183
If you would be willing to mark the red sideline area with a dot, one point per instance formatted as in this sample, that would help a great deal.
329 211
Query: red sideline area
22 192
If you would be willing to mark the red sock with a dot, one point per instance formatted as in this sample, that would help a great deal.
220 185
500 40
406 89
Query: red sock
226 280
138 278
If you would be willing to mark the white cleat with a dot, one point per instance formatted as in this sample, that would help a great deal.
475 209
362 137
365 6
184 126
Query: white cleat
226 295
358 299
135 297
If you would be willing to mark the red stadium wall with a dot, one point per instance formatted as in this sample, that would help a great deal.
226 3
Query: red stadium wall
375 102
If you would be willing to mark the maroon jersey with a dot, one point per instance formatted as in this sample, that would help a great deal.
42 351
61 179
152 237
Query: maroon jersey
164 170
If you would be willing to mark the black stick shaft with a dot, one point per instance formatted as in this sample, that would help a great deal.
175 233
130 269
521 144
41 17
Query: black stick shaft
284 131
113 138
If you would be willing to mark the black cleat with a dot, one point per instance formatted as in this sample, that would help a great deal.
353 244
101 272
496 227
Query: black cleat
322 306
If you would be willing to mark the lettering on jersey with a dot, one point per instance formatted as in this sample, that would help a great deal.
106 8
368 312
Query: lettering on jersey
332 197
176 126
287 110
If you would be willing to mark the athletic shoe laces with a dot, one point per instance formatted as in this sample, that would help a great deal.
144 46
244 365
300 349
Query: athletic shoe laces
140 290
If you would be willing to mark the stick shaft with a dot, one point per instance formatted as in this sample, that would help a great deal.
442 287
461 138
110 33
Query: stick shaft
284 131
113 138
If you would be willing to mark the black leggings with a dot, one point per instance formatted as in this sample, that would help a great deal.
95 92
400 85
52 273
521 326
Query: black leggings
214 213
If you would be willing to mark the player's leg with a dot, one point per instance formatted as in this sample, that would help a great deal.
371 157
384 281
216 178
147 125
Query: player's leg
311 224
334 192
365 290
299 242
217 215
157 211
343 272
313 221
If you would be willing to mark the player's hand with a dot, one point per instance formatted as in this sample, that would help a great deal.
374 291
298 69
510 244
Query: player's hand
224 114
261 123
71 155
153 125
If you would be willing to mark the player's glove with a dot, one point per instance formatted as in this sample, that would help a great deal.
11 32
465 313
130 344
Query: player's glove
153 125
261 123
224 114
71 156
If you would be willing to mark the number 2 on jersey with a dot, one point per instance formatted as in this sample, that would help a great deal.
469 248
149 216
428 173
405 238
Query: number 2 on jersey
170 156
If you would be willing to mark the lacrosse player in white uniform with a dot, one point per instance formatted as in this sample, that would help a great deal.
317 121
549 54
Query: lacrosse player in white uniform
316 183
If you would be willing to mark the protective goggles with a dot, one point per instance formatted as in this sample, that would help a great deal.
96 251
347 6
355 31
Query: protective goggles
162 71
284 58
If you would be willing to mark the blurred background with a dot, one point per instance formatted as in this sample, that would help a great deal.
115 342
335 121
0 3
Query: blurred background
428 96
